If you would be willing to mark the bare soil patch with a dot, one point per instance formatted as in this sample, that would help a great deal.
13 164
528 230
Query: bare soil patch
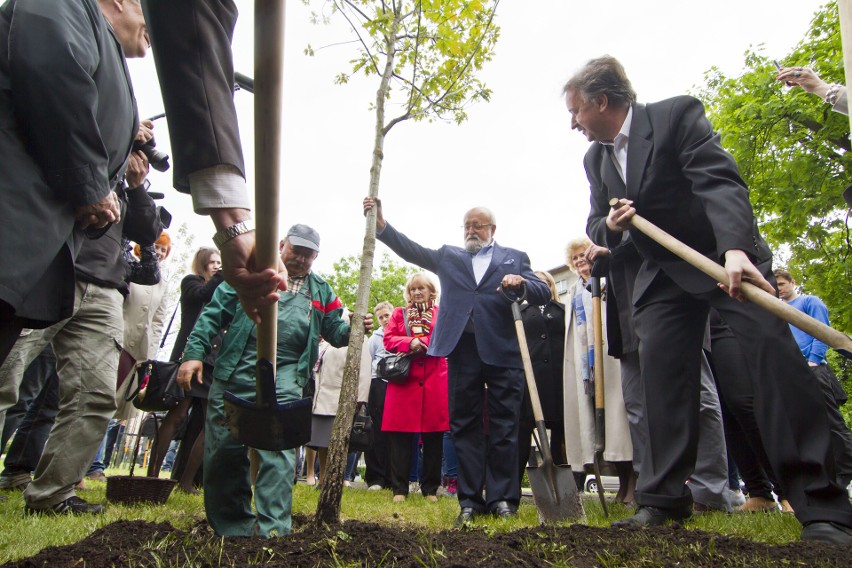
355 543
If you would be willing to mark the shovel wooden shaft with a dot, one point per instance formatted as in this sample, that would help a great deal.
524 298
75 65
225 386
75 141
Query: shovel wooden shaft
758 296
600 417
268 62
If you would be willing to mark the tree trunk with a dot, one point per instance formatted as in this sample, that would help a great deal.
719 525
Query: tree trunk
328 507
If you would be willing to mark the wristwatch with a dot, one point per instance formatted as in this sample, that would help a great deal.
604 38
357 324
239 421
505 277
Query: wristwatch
228 233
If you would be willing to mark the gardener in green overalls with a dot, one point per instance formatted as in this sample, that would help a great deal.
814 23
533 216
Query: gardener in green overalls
307 310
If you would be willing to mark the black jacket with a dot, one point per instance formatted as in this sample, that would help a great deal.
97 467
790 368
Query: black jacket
101 261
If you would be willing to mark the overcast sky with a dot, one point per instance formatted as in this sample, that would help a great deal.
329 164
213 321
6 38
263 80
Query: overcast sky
516 155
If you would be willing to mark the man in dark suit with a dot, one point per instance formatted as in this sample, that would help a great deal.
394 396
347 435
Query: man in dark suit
476 334
67 122
664 159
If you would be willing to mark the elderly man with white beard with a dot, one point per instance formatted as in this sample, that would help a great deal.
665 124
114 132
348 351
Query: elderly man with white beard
476 333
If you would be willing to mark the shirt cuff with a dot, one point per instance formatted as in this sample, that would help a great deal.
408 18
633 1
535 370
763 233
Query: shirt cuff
218 187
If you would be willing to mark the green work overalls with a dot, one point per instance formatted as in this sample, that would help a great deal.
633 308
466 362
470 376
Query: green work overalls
227 487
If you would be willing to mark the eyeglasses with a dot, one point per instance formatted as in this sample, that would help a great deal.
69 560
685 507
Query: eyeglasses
475 226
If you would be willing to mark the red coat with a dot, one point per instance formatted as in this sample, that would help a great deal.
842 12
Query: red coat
419 404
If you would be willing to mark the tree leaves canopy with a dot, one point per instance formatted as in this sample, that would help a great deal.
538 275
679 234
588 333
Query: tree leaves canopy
437 47
388 281
792 150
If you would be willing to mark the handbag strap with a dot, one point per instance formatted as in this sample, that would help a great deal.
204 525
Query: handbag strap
128 396
169 327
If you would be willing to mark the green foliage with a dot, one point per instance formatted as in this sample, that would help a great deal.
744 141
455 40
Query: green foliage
435 48
387 282
792 150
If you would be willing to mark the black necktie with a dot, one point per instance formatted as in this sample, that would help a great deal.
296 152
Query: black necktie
609 173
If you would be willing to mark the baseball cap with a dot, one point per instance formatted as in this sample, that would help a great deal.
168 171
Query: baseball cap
303 236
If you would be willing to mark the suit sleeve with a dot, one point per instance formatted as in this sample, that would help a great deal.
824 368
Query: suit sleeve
538 292
714 175
53 55
410 251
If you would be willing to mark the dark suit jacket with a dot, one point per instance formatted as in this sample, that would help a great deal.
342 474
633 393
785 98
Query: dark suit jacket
67 122
682 180
462 298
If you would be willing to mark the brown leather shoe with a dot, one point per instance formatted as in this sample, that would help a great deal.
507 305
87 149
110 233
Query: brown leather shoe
786 507
758 505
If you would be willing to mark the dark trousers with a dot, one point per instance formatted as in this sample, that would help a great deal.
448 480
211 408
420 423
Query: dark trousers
376 458
742 434
10 330
31 436
401 448
525 432
841 437
788 405
32 384
487 454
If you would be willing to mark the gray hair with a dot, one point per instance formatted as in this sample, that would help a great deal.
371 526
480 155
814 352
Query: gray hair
602 76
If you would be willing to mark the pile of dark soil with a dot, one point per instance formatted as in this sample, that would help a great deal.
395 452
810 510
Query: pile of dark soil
142 544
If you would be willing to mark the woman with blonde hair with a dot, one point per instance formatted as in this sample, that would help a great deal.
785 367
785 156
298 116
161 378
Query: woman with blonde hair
579 387
419 404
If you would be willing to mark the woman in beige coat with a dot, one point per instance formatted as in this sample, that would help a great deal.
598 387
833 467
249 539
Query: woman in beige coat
578 385
146 311
329 379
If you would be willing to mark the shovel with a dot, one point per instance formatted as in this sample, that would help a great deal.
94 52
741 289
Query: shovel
264 424
554 490
600 423
831 337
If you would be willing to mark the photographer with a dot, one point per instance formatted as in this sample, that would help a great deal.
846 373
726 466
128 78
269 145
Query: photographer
87 347
67 119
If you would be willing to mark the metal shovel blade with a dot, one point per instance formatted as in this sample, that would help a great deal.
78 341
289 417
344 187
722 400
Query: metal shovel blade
555 493
264 424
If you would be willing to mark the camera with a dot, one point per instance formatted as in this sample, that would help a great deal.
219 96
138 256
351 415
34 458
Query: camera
158 160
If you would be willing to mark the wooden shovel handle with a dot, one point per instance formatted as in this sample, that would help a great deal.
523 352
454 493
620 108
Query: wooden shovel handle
268 62
765 300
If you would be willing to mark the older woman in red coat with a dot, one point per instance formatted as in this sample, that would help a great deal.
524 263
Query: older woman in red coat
418 404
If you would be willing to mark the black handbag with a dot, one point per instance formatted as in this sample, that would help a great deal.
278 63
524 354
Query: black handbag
394 368
361 437
156 389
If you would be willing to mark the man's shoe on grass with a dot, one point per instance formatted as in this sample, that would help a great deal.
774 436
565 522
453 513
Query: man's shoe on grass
96 476
71 506
465 516
14 483
503 510
832 533
758 505
653 517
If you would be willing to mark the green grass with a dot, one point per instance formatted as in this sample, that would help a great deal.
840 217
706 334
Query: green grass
22 535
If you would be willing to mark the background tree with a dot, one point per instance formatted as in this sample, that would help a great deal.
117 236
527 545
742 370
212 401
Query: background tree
425 55
793 152
387 281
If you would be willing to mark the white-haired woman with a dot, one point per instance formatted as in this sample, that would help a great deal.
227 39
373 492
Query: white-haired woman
579 388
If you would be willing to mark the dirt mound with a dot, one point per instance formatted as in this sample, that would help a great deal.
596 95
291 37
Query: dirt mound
142 544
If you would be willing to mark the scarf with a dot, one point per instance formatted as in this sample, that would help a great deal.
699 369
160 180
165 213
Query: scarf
419 317
584 336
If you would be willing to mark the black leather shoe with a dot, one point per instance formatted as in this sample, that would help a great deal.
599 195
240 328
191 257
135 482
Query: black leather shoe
503 510
465 516
653 517
831 533
71 506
